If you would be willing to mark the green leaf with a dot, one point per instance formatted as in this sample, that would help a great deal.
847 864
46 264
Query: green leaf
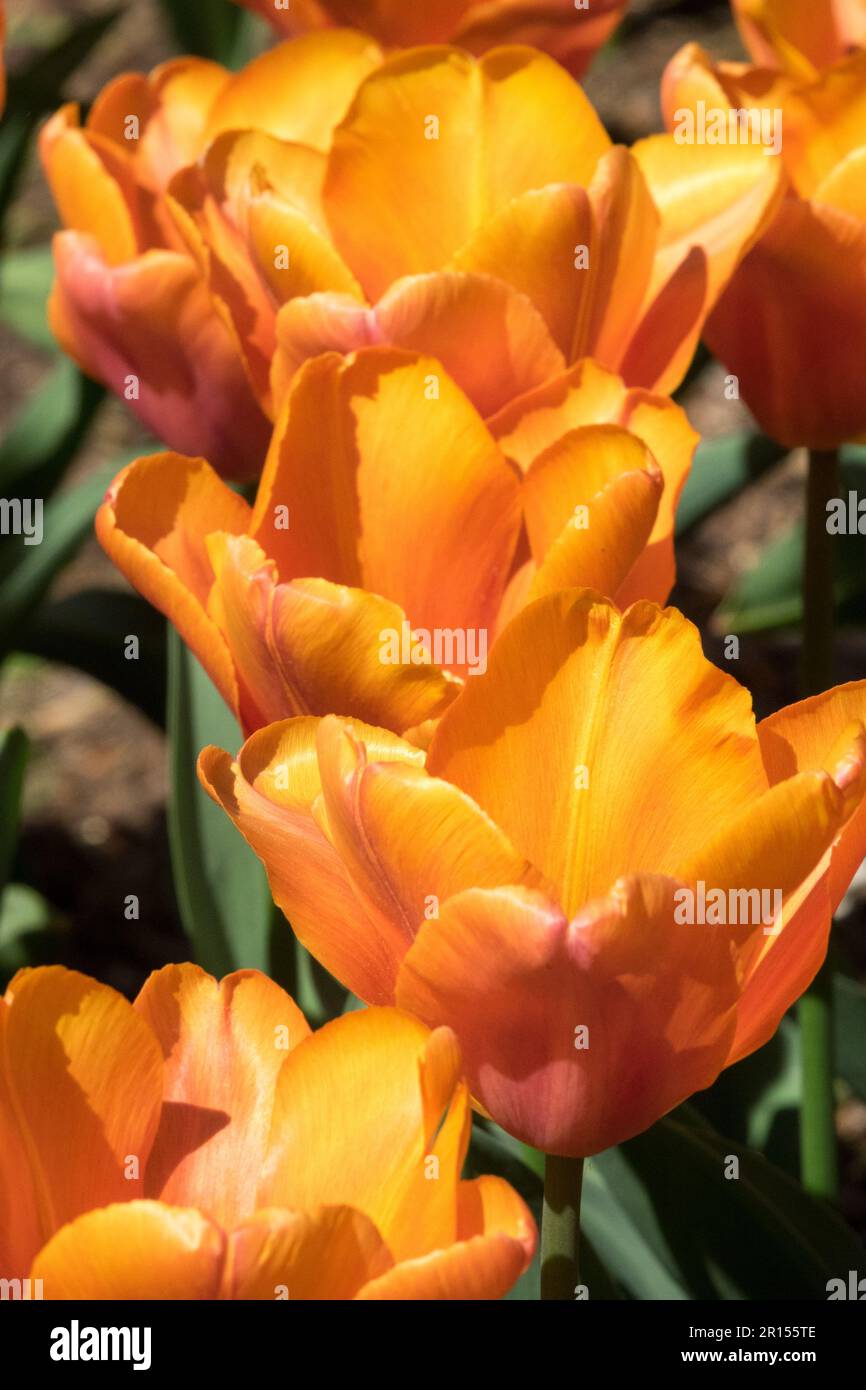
221 889
849 1001
14 751
87 630
770 595
29 930
67 522
48 432
209 28
721 469
757 1101
26 278
668 1223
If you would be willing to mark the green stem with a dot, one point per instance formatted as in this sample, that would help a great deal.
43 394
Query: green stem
560 1227
818 1156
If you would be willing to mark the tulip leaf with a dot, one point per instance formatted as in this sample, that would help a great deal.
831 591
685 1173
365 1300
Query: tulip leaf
26 278
208 28
758 1235
88 630
48 432
770 594
29 569
28 930
849 1014
14 751
221 889
721 469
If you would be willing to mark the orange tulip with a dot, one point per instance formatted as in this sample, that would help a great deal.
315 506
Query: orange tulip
529 883
791 324
203 1144
387 508
130 305
573 34
476 211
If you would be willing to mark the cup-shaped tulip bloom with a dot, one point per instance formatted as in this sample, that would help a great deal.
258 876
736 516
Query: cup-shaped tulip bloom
572 33
130 304
603 875
395 532
202 1143
477 211
800 37
791 324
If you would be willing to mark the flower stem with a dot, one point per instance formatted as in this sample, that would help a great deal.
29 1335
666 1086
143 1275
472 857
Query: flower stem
818 1158
560 1227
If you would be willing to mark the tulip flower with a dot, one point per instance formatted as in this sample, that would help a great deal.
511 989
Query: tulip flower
527 882
387 510
791 324
474 210
130 304
202 1143
572 33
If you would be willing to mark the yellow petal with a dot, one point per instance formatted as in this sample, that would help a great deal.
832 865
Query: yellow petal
329 1253
601 744
450 177
363 1109
80 1091
299 90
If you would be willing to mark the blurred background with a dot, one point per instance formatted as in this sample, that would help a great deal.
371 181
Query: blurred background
89 827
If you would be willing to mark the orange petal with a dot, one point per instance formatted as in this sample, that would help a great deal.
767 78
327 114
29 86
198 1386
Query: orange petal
623 740
269 794
80 1093
549 1013
435 535
330 1253
408 841
571 37
154 525
804 282
496 1242
370 1113
224 1044
804 737
148 331
605 553
137 1250
93 186
297 91
450 177
797 35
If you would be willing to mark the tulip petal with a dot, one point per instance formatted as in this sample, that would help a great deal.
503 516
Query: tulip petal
496 1242
362 1110
80 1092
93 186
518 983
435 535
297 91
137 1250
154 525
149 327
623 740
802 737
330 1253
449 177
224 1044
804 283
269 794
408 841
603 554
571 37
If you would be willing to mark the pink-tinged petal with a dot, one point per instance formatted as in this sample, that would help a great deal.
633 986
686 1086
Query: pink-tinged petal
519 984
224 1044
269 793
149 332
